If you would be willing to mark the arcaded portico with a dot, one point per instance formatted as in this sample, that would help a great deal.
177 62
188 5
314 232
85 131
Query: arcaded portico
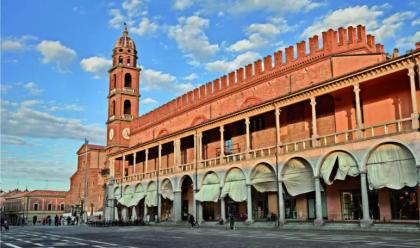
329 136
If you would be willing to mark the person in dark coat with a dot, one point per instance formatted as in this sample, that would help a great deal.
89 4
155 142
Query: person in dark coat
34 219
56 220
231 222
191 220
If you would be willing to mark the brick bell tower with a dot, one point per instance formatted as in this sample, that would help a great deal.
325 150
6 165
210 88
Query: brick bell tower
123 98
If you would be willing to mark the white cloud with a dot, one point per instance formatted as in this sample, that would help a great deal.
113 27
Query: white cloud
191 39
392 23
25 120
149 101
17 169
79 10
64 107
145 27
365 15
228 66
246 6
260 34
54 52
96 65
117 18
157 80
132 7
182 4
4 88
13 140
409 42
254 41
415 22
17 44
191 77
32 88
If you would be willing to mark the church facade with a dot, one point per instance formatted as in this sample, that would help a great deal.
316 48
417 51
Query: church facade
329 134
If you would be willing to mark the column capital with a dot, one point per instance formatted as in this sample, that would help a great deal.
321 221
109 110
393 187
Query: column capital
222 128
316 177
247 120
146 151
411 72
313 101
356 88
199 134
277 111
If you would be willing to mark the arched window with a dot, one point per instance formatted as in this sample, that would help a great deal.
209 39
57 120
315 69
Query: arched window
128 60
120 60
114 82
127 80
113 108
127 107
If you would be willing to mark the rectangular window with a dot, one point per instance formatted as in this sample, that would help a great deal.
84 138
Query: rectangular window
36 207
49 207
62 207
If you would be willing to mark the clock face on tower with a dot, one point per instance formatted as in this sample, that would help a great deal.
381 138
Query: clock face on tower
111 134
126 133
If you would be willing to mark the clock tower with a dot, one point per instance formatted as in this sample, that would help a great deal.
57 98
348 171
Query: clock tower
123 97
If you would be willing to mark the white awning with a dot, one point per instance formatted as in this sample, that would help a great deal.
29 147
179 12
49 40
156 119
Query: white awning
342 164
151 195
167 192
138 195
210 190
298 177
391 166
125 200
235 185
263 179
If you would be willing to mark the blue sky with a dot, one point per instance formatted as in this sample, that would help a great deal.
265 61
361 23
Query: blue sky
55 54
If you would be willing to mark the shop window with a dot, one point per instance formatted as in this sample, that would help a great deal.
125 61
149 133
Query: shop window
351 205
404 204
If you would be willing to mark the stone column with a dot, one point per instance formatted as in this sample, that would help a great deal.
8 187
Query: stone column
159 207
124 214
145 212
249 204
112 168
134 162
247 133
415 112
222 209
359 122
318 202
116 218
418 185
133 213
146 159
123 167
200 212
199 146
314 126
177 208
281 204
177 159
222 142
366 221
277 116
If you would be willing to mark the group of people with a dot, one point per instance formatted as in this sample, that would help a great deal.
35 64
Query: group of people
231 220
58 220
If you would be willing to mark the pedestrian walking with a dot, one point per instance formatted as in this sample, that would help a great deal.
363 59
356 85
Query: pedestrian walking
56 220
6 225
191 220
231 222
34 219
49 220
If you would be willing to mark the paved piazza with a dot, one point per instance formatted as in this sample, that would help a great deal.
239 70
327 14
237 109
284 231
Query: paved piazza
150 236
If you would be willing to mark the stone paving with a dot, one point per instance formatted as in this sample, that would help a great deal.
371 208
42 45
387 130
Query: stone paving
160 236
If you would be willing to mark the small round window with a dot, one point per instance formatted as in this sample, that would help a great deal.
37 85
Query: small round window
129 50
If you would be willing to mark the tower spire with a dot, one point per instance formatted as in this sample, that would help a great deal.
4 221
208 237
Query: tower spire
125 33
